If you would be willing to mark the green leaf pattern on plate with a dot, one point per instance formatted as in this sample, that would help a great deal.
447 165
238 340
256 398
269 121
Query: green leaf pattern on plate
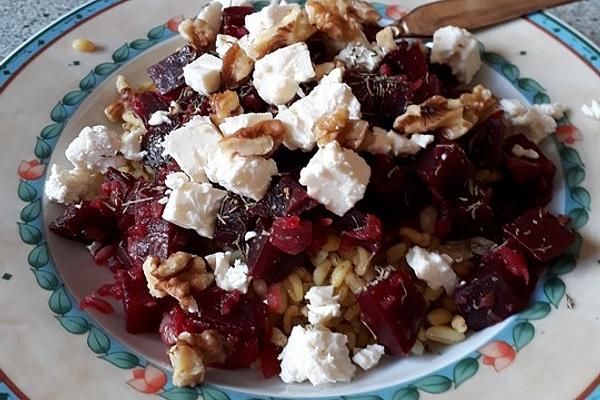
46 280
26 192
213 394
464 370
122 359
38 256
98 341
31 211
59 301
554 288
407 393
74 324
537 310
433 384
183 393
522 334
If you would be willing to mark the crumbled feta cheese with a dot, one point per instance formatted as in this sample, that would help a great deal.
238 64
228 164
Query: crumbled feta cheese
229 277
233 3
360 56
555 110
211 13
269 16
434 268
70 186
422 140
534 123
336 177
204 74
233 124
223 43
278 74
176 180
95 149
592 111
369 357
329 96
189 145
457 48
193 205
159 117
520 151
131 144
248 176
249 235
323 305
390 142
316 354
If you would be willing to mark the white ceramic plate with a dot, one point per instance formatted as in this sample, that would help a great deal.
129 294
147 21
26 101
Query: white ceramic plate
51 349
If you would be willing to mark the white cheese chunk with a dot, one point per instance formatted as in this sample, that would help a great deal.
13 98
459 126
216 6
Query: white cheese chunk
211 13
336 177
432 267
190 144
422 140
457 48
278 74
316 354
159 117
390 142
520 151
229 277
369 357
359 56
223 43
193 205
231 125
269 16
534 123
204 74
233 3
248 176
131 144
329 96
592 111
95 149
249 236
323 305
554 110
65 186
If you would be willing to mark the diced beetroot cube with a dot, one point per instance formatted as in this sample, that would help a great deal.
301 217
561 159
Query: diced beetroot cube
467 214
86 223
484 143
393 310
152 145
250 101
382 98
245 353
236 15
285 197
172 324
494 293
291 235
268 360
513 260
230 300
147 103
97 303
274 299
360 229
444 168
530 182
408 59
266 261
235 31
539 234
394 190
429 86
114 290
167 74
143 312
233 220
161 239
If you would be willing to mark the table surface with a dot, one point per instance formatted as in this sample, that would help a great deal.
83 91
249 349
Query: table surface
20 19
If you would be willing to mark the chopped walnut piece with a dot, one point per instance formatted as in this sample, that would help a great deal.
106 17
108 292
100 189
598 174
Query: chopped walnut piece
261 139
178 276
198 33
479 104
115 111
225 104
385 38
342 19
323 69
192 352
349 133
237 67
293 28
452 117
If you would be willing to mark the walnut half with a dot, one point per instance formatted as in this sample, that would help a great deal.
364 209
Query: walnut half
452 117
237 67
198 33
337 126
192 352
224 104
261 139
342 19
178 276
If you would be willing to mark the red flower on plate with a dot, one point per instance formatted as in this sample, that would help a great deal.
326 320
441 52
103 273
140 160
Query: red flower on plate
31 170
148 380
396 12
173 23
498 353
568 134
